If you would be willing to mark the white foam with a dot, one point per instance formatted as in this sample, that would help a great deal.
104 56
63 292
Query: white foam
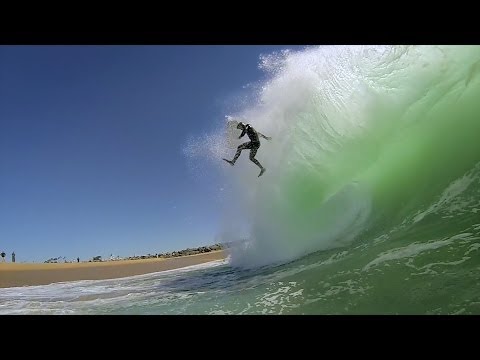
414 249
450 199
86 296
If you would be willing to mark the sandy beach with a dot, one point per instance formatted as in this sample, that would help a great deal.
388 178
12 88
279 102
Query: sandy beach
18 274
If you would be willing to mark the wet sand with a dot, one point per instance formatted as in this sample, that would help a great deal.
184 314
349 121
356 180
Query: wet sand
18 274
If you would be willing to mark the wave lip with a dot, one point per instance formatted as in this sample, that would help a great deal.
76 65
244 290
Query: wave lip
360 134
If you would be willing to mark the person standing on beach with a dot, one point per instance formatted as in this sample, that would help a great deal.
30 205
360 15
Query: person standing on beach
13 257
3 256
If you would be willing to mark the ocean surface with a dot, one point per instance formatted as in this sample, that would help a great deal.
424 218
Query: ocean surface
370 203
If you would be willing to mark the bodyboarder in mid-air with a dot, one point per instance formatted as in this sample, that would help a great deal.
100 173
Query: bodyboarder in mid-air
253 145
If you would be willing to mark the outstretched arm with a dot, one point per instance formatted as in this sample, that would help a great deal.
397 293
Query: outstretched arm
265 137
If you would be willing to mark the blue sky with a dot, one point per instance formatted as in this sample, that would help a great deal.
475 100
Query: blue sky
91 141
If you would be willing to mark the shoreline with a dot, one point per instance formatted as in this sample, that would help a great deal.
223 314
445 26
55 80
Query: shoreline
32 274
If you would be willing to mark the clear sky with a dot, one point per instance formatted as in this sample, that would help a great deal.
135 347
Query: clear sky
91 140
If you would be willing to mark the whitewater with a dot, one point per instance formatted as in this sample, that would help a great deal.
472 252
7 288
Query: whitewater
370 203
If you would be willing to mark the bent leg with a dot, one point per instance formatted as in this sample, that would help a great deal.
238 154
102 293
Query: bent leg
239 150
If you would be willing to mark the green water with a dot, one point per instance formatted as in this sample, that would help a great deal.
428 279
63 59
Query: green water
377 162
370 203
